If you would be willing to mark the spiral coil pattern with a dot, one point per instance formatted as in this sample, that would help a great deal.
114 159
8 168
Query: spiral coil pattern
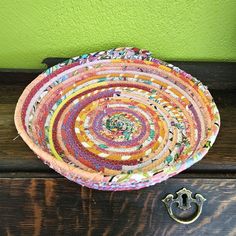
117 119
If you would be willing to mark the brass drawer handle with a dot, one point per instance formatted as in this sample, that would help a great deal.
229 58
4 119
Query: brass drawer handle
184 200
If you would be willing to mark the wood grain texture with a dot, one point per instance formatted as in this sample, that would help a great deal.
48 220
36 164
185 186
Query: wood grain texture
216 75
59 207
209 73
35 200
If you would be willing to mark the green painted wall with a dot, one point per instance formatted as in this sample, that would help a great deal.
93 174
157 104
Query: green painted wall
172 30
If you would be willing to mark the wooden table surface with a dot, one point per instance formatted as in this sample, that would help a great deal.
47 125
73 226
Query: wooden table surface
34 200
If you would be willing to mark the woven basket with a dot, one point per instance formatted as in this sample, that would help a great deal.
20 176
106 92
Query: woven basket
117 119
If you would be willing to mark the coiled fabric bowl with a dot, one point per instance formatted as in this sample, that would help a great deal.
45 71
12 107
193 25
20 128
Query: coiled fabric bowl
118 119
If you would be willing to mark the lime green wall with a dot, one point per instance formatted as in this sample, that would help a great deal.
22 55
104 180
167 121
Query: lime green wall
174 30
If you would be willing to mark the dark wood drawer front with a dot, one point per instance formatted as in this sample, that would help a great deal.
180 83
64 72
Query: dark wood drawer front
55 206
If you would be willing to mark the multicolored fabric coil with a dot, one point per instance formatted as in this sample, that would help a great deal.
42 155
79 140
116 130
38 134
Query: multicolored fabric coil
118 119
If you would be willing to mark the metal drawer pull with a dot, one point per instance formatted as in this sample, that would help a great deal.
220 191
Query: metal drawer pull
184 200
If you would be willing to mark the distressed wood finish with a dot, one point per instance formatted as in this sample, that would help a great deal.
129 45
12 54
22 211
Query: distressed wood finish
60 207
216 75
208 72
35 200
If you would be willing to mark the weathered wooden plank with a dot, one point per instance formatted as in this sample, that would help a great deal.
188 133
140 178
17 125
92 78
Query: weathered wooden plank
16 156
52 174
216 75
18 76
208 72
60 207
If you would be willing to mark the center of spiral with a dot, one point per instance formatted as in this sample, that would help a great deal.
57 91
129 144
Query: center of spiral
120 124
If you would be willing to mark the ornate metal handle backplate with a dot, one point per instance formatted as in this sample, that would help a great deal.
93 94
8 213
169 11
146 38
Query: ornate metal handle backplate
169 200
